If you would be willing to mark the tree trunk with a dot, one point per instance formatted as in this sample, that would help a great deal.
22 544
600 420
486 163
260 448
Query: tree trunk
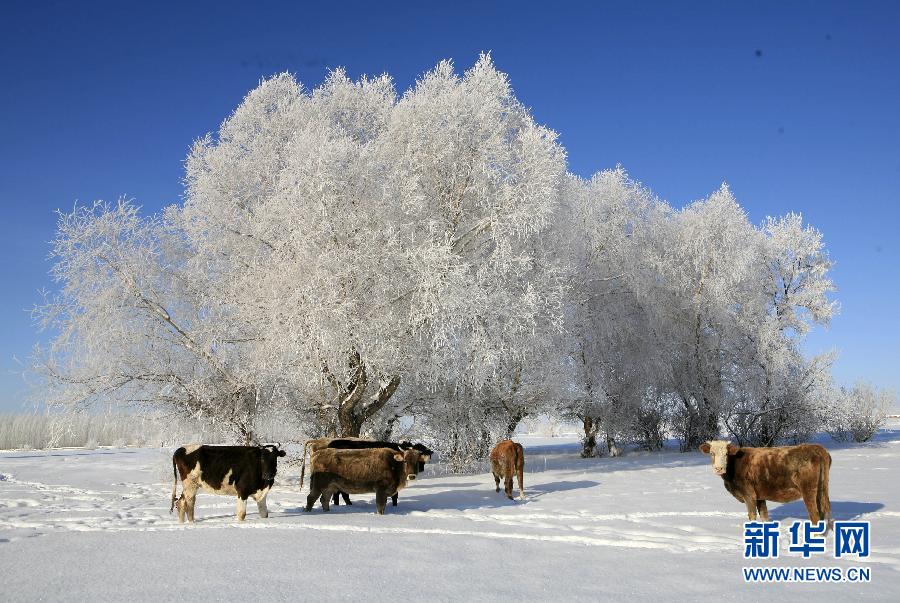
353 409
589 444
514 412
385 434
513 422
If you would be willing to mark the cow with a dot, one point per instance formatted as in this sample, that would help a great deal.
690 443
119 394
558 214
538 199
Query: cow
241 471
781 474
508 459
358 443
383 471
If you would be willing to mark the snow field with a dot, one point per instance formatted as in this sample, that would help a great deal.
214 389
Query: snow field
77 524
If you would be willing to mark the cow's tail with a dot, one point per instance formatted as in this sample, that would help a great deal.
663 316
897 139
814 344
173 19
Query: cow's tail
175 485
303 462
823 502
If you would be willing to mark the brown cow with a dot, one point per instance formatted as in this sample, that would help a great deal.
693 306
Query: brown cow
508 459
356 471
317 444
781 474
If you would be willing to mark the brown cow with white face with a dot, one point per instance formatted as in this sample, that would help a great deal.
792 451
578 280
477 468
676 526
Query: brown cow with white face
356 471
507 460
781 474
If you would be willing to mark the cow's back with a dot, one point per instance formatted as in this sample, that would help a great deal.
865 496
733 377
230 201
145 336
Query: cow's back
221 463
506 457
777 473
362 465
503 450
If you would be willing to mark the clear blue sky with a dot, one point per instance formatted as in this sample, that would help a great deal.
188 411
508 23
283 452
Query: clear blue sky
795 104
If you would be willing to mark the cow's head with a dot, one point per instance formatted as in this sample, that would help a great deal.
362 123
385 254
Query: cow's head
719 451
268 460
411 460
424 452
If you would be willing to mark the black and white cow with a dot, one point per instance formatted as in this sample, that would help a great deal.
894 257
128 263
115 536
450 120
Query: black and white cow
241 471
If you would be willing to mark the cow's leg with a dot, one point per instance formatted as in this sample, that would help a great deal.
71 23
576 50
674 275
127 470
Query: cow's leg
241 508
180 505
762 509
346 498
380 501
336 498
508 485
189 496
325 499
313 495
750 501
823 503
394 499
520 470
809 499
497 481
261 504
191 502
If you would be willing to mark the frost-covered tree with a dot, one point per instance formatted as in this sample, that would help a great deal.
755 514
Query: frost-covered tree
690 320
855 414
332 245
134 326
774 387
603 231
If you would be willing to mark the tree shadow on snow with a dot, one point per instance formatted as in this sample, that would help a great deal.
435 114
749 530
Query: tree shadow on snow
840 509
449 486
566 448
541 489
474 497
460 500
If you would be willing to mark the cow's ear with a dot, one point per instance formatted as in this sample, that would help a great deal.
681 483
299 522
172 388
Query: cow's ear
398 457
425 458
732 449
704 447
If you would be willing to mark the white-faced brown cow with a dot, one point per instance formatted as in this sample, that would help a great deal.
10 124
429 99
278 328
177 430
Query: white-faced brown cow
241 471
508 459
781 474
380 470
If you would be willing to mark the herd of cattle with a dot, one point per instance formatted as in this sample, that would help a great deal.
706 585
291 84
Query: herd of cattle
343 466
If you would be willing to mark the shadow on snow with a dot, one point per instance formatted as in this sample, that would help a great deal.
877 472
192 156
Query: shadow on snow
842 510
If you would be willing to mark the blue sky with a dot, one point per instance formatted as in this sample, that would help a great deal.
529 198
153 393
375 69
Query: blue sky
795 104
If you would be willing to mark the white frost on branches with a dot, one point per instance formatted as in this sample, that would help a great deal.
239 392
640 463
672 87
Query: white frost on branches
345 257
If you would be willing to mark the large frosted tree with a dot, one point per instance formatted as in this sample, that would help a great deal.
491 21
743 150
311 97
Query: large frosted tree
332 245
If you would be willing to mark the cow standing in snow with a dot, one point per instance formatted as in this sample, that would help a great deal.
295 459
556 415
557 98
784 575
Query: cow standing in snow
350 443
241 471
383 471
781 474
508 459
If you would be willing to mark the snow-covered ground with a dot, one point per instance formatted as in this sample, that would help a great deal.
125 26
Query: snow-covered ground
95 524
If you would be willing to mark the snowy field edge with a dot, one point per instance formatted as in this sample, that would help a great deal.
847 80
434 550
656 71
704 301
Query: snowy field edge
78 524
